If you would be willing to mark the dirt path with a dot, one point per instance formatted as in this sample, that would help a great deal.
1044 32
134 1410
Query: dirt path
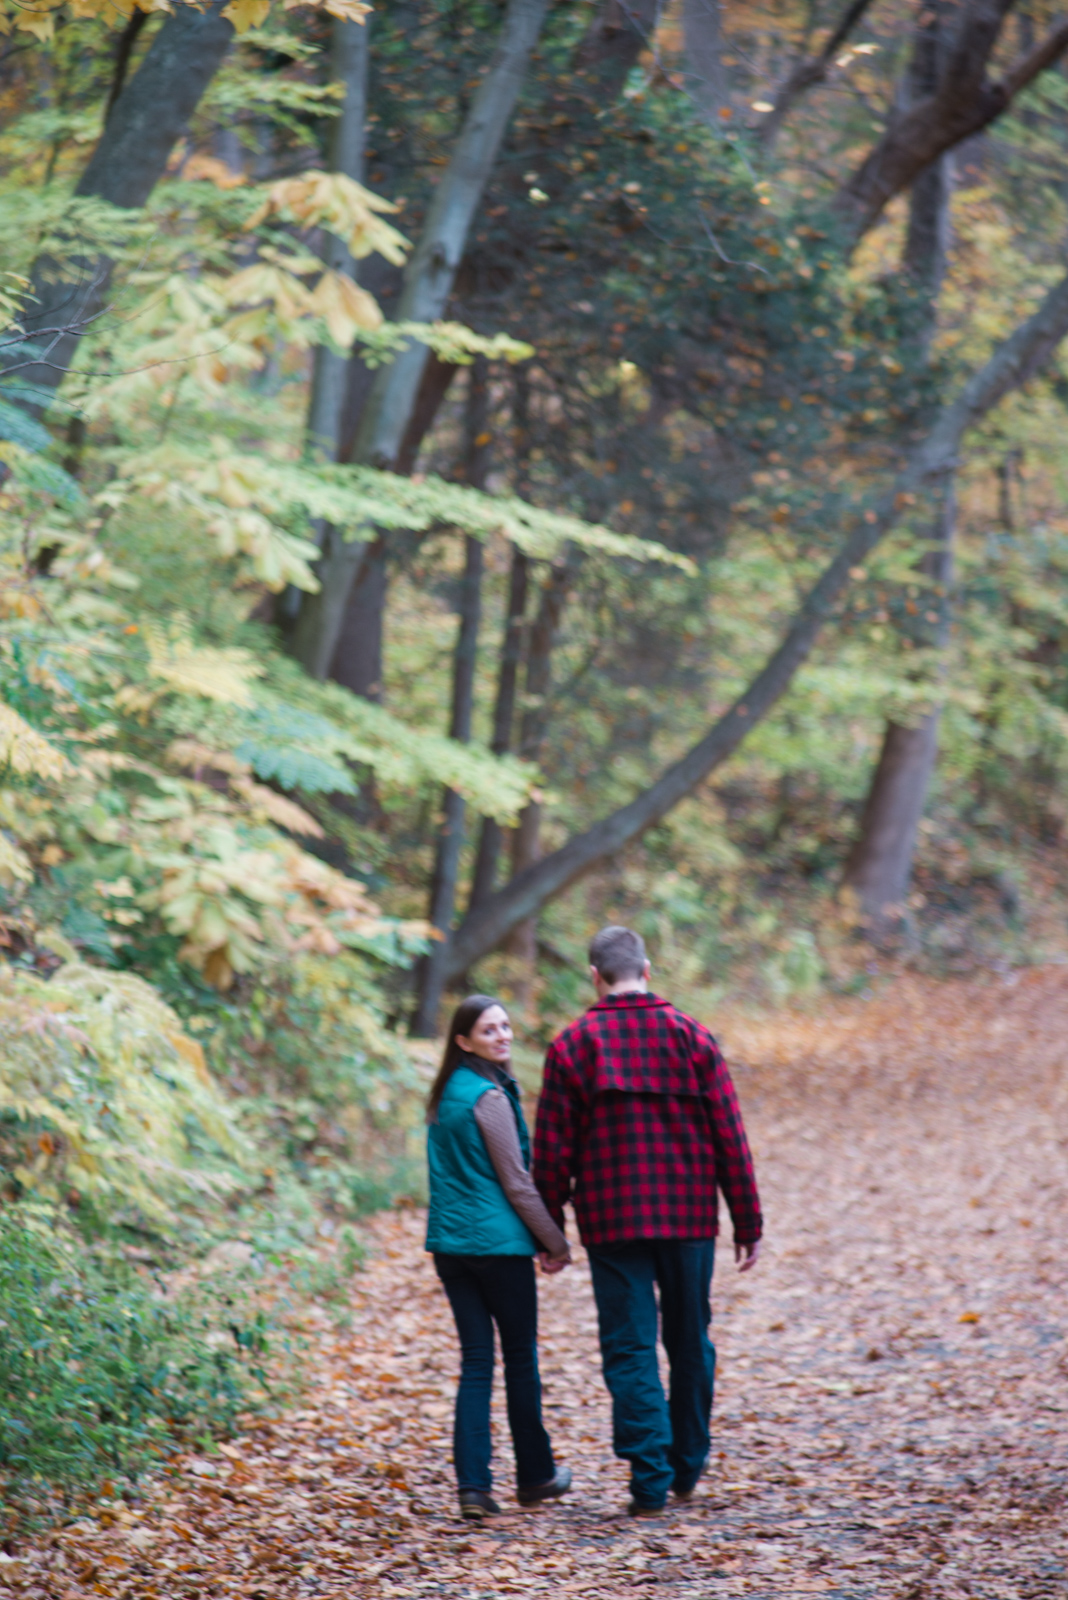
892 1409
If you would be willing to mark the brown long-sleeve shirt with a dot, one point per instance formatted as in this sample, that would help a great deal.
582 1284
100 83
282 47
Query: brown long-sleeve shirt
496 1123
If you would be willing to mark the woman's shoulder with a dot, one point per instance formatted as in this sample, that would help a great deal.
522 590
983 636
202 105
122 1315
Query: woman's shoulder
466 1084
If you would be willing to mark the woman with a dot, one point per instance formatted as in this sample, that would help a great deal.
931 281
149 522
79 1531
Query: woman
486 1223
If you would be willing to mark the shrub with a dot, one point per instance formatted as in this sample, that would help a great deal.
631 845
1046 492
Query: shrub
102 1372
103 1096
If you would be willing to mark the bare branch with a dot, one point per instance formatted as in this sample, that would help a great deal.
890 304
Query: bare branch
808 72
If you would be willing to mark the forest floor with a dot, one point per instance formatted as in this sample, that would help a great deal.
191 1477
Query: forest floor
892 1406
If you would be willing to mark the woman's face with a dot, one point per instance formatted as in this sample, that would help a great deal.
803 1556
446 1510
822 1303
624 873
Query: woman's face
490 1036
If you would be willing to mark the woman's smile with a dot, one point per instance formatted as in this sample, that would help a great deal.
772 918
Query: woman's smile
490 1037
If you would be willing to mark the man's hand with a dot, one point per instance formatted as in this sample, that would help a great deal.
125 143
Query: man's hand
746 1255
551 1264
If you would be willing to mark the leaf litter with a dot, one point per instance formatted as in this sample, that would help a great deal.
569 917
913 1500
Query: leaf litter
892 1402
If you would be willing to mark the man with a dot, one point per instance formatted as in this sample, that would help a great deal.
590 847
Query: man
638 1125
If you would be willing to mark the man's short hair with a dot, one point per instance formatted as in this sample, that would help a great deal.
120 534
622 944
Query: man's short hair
618 953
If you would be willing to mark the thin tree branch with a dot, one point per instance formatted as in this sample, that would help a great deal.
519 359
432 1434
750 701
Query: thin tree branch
127 39
808 72
1016 360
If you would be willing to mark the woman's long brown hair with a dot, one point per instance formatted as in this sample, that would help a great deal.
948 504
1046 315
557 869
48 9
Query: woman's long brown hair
463 1020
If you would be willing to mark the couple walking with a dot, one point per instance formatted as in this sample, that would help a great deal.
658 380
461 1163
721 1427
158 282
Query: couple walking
638 1125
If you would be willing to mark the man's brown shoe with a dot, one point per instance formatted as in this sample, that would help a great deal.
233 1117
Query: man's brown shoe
684 1496
640 1508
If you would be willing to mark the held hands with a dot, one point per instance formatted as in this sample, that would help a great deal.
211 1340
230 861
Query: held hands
746 1255
550 1264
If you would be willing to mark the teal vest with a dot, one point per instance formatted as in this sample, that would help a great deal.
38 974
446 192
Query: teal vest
470 1214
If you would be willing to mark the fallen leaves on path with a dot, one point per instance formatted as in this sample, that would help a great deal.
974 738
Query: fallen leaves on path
892 1405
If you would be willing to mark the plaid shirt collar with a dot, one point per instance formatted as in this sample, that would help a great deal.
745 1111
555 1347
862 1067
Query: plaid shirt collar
638 998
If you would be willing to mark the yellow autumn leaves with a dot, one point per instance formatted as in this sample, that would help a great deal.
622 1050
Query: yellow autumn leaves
355 216
99 1062
39 16
333 201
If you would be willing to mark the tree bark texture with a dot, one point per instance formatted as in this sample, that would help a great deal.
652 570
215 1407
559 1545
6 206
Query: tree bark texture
358 660
544 632
1016 360
513 645
927 241
484 878
145 123
349 52
705 77
965 101
879 868
428 282
430 973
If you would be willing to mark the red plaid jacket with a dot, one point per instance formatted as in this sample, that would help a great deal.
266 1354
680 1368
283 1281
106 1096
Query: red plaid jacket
638 1124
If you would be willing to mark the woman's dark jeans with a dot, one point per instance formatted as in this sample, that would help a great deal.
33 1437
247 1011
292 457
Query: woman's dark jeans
484 1290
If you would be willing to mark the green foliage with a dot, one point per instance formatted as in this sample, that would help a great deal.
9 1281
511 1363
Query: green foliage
105 1098
104 1373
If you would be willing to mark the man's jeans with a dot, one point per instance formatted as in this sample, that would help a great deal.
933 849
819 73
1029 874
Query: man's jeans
484 1290
665 1441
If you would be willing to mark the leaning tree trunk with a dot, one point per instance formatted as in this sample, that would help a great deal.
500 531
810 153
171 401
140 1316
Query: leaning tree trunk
428 282
1016 360
965 102
430 973
144 124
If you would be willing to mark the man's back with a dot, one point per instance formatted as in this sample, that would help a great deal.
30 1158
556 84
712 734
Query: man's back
639 1124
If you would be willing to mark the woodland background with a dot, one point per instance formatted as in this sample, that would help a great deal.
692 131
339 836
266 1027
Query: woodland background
472 471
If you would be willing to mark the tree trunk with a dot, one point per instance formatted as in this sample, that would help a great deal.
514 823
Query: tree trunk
357 663
705 77
430 973
349 55
484 878
428 282
927 241
349 52
1013 362
879 868
965 102
526 840
143 126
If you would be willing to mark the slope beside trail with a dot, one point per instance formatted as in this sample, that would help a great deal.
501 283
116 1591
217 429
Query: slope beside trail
892 1406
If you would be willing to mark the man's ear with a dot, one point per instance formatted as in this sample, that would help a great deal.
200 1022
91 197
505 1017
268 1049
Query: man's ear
647 971
595 977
